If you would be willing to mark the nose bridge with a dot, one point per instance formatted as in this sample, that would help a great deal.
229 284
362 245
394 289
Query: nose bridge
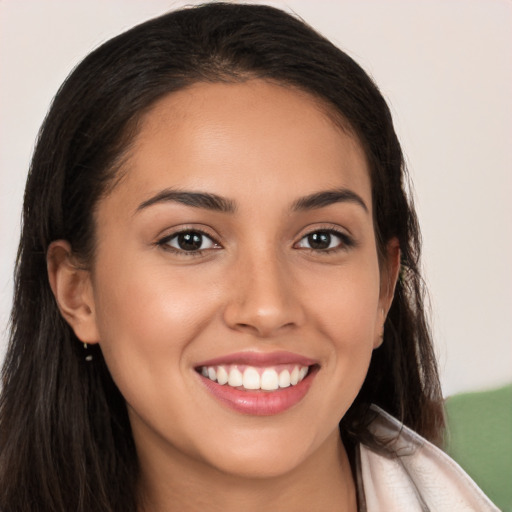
263 299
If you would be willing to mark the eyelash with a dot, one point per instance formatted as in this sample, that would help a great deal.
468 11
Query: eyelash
346 242
165 242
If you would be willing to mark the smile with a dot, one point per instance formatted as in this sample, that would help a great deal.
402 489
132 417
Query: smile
253 378
258 384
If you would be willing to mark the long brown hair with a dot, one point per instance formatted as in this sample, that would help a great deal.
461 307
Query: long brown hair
65 438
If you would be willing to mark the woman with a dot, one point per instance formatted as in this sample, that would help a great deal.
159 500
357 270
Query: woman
218 276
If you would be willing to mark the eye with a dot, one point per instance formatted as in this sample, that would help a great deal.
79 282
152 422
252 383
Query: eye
189 241
324 240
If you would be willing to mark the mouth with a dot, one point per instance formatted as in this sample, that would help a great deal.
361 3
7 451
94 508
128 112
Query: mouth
258 384
250 378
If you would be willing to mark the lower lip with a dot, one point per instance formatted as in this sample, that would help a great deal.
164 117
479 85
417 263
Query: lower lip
260 403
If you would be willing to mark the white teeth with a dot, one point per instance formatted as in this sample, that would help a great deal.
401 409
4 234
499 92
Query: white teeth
251 379
268 379
284 379
294 376
235 378
212 374
222 375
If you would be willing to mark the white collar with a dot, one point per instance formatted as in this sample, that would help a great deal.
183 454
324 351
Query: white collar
410 474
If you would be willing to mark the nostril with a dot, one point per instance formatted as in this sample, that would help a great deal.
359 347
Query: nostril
263 310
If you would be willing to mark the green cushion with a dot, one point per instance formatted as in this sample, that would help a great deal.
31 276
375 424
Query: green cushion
479 438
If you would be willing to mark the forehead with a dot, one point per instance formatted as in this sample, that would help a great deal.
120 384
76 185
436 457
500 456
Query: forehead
244 139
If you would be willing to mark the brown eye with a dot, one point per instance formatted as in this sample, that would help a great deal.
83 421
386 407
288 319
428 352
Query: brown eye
320 240
190 241
324 240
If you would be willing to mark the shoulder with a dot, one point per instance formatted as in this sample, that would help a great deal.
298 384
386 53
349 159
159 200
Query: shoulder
411 474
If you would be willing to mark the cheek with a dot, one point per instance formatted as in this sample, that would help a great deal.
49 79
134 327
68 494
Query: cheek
142 297
346 313
147 317
346 305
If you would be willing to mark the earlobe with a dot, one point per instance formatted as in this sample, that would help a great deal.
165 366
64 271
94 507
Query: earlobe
71 287
379 339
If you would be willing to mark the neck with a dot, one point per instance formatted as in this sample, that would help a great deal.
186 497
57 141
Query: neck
323 483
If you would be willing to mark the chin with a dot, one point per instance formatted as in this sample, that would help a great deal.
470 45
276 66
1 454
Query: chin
267 452
271 463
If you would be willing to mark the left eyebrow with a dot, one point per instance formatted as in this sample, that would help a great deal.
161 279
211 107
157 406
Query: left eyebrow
328 197
194 199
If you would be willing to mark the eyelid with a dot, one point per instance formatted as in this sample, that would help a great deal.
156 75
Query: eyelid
323 226
347 240
163 240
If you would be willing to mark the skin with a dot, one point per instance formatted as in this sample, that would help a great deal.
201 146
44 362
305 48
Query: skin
257 287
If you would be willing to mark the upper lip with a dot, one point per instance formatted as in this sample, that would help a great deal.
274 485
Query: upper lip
259 359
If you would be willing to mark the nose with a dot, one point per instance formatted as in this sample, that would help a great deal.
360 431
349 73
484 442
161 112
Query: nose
264 299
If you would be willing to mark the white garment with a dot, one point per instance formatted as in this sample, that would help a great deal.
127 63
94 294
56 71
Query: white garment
413 475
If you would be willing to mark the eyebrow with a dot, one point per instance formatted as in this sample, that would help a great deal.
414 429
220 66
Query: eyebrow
328 197
194 199
217 203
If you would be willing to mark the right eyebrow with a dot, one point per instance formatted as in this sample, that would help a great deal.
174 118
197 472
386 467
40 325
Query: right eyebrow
189 198
328 197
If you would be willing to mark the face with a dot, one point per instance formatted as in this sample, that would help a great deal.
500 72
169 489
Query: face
238 253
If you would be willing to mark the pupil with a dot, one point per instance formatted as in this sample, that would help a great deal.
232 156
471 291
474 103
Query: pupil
190 241
320 240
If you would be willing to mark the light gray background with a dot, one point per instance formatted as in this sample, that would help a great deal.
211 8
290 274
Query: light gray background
445 67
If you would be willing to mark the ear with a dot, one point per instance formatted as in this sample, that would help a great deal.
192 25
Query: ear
388 278
72 288
389 274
